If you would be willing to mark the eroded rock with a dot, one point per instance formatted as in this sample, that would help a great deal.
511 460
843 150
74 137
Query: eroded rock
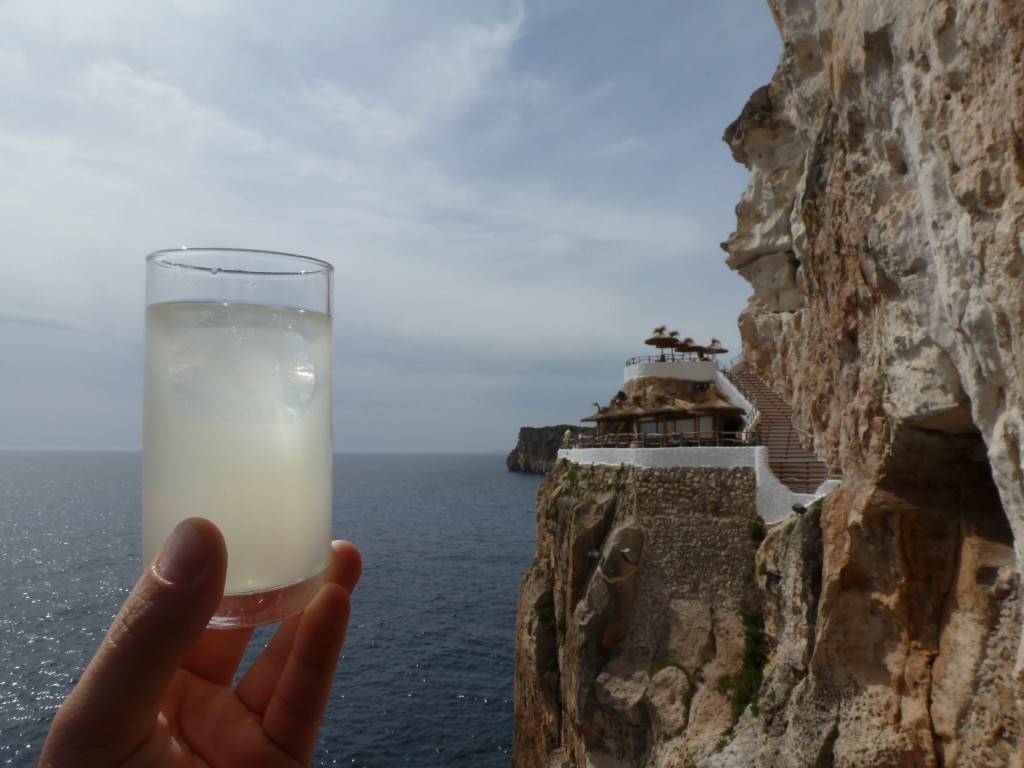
883 238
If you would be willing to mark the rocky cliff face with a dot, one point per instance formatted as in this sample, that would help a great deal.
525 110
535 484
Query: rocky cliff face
882 235
632 620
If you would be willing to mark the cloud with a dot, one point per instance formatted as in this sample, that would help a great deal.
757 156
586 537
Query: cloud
436 81
557 244
144 112
15 317
444 76
513 194
363 121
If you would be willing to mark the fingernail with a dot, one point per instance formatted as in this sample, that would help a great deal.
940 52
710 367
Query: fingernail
183 556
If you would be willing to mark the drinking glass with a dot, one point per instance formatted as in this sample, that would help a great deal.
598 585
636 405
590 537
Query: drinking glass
237 422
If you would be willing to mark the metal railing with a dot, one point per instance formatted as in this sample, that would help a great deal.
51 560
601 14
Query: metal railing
831 472
678 357
669 440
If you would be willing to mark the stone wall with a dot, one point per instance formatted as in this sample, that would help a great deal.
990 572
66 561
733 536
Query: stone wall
774 500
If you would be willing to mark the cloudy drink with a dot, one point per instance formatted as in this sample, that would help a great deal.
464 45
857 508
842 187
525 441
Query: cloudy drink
238 430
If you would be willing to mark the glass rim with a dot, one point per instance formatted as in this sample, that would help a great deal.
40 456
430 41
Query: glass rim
162 258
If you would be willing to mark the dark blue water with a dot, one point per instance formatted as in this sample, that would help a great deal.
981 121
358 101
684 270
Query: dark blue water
426 678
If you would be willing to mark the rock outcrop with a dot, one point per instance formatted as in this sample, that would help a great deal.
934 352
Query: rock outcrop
631 630
881 232
537 448
882 235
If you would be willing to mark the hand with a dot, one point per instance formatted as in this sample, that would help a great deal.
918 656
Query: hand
158 691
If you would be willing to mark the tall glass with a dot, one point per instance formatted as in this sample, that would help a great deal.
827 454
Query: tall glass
237 423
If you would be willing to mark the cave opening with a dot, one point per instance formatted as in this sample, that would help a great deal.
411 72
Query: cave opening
948 501
940 463
955 568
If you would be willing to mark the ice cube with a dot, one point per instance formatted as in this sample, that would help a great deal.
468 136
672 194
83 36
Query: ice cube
244 366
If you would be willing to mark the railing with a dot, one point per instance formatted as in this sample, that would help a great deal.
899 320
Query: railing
748 366
831 472
765 378
669 440
676 357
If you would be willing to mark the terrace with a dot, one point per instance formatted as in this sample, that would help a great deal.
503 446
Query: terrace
679 408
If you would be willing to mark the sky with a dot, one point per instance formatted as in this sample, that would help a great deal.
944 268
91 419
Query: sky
513 195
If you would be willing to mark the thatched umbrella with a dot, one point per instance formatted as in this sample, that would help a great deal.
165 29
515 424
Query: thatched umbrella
663 340
715 348
688 347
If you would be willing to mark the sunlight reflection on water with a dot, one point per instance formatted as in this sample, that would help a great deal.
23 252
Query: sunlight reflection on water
426 678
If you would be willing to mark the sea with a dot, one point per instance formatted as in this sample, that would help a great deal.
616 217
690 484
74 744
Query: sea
427 672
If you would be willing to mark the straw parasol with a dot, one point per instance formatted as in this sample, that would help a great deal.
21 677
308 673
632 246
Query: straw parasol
688 346
715 348
663 340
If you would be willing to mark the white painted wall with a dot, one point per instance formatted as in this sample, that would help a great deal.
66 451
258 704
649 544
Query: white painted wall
690 370
736 397
694 370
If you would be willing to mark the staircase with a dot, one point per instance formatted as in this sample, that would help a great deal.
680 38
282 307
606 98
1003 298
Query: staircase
798 469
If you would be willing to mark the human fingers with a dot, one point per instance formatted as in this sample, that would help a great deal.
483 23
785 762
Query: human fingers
114 705
346 565
292 716
216 654
258 684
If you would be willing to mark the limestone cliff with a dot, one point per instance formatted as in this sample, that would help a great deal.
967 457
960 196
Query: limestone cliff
882 235
881 232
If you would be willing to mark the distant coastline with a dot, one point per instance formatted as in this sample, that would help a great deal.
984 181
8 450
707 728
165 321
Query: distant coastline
537 447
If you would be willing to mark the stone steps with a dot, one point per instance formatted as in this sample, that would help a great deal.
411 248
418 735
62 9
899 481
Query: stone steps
796 467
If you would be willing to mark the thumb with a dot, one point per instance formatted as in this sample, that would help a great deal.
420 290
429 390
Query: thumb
118 697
